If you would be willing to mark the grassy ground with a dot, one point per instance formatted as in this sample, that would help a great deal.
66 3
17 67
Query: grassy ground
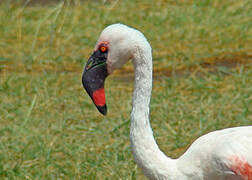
49 128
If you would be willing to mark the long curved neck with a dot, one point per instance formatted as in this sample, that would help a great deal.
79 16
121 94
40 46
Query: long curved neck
146 152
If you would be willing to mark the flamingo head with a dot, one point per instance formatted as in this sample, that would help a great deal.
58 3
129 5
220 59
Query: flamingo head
113 49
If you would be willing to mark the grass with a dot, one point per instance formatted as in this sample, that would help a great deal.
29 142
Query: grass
49 128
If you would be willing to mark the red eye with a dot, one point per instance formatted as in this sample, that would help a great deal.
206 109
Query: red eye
103 48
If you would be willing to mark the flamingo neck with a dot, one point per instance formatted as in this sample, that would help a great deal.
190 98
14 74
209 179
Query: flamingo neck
146 152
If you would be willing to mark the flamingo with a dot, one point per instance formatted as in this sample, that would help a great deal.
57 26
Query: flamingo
220 155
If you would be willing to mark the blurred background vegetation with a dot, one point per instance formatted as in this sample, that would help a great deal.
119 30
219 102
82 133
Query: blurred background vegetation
49 128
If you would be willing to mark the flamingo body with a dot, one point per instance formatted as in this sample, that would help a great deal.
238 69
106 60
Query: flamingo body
220 155
223 154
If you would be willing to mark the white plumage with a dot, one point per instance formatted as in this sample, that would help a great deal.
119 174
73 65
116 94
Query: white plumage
219 155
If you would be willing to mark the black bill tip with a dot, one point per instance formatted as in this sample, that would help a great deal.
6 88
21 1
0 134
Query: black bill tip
102 109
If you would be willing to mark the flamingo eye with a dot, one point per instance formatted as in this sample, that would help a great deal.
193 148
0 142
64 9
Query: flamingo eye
103 49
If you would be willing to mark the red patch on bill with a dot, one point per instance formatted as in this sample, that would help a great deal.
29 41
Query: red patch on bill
99 97
241 167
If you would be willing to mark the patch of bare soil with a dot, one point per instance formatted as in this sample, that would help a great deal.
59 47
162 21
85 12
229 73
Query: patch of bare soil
228 61
212 65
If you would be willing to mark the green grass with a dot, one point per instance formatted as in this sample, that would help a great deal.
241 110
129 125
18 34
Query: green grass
49 128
